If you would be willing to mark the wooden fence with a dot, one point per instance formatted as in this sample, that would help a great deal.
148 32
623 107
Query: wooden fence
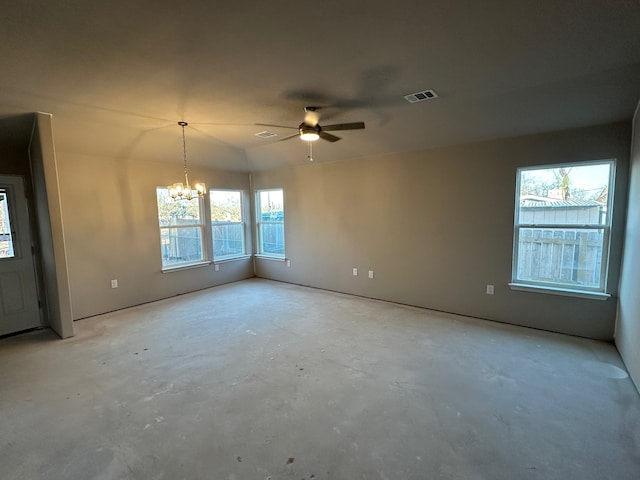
560 255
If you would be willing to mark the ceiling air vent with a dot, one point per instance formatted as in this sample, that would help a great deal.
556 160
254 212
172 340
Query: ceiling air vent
421 96
266 134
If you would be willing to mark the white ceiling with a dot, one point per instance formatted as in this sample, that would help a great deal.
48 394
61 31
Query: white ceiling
118 75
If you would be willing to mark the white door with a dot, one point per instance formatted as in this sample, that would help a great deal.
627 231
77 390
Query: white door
19 308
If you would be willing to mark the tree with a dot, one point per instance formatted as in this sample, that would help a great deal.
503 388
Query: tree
226 205
531 184
603 195
170 210
563 182
229 212
535 182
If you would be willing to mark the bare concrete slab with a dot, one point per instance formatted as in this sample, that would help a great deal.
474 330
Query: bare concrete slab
259 380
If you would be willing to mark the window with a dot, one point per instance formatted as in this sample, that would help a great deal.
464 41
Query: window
270 222
562 227
227 224
181 230
6 236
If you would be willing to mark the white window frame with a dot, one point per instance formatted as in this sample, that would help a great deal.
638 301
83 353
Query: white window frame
260 223
560 288
204 258
242 223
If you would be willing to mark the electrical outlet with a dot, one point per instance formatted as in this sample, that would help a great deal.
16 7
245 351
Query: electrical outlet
370 273
489 289
355 272
216 268
114 283
288 263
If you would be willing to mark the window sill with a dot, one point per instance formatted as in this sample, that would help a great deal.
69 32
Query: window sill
231 259
270 257
567 292
185 266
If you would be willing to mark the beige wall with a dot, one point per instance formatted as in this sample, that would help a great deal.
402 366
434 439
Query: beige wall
111 226
437 227
628 327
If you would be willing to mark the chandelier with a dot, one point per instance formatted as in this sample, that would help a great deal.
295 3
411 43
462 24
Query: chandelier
183 191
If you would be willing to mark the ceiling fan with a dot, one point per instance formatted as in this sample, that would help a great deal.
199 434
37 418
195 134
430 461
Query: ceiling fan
310 129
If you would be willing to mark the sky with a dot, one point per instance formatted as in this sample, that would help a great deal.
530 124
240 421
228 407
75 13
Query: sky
585 177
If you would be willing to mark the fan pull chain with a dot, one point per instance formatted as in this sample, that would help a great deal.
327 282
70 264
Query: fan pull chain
310 154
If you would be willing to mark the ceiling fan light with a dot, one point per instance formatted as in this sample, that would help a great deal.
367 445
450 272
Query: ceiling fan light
311 136
309 133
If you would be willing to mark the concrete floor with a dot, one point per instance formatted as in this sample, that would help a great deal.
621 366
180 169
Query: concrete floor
259 380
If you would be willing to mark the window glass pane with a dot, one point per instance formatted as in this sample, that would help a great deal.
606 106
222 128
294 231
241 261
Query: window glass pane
227 223
271 222
271 206
181 229
568 257
6 240
181 245
177 212
226 206
272 238
570 195
228 240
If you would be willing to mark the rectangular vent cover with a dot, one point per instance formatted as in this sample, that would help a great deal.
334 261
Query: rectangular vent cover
421 96
266 134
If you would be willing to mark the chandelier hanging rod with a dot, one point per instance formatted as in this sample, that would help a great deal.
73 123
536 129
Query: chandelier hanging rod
180 191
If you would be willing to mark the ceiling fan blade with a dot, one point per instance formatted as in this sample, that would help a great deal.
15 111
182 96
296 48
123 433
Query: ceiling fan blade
289 137
271 125
344 126
327 136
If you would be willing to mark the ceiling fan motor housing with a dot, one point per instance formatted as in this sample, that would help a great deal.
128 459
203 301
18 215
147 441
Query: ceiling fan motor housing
309 133
304 128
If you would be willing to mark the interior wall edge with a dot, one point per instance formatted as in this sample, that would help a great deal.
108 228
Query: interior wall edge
627 334
50 226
